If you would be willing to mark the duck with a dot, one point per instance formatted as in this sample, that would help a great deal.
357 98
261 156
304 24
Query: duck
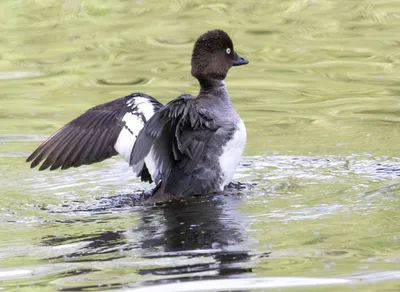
190 146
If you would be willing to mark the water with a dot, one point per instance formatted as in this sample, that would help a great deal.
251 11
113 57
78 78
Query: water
319 211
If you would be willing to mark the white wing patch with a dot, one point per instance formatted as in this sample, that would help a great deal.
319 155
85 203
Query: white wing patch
143 105
231 154
141 111
127 137
152 166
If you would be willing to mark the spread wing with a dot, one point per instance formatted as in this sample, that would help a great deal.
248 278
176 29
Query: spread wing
100 133
175 136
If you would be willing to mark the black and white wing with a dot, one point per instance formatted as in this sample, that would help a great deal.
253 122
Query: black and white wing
175 136
100 133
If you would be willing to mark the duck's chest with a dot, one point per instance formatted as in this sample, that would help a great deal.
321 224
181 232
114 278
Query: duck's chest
231 153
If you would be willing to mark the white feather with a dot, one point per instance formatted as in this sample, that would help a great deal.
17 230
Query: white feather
144 106
231 154
127 137
133 124
152 165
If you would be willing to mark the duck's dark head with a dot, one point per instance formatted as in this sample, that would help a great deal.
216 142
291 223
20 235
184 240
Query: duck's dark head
213 55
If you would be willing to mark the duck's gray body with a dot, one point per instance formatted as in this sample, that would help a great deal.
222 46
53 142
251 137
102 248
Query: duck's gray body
196 143
190 146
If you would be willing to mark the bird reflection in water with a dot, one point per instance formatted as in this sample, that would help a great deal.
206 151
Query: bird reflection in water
209 231
206 237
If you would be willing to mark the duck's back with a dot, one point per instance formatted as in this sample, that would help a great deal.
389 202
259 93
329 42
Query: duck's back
197 144
216 166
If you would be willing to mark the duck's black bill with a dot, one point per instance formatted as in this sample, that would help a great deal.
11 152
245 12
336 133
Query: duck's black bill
239 61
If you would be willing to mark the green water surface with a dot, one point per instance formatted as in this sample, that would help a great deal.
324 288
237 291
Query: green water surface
320 100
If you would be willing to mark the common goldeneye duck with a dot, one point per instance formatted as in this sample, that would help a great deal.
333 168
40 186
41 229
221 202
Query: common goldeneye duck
190 146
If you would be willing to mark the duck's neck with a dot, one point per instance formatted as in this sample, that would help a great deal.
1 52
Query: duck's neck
214 87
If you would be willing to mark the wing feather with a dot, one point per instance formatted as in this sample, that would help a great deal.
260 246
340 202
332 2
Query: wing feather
92 136
178 134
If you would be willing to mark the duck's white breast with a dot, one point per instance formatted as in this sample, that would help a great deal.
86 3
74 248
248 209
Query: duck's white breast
232 153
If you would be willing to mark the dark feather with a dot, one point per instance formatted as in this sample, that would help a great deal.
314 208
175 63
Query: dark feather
178 134
89 138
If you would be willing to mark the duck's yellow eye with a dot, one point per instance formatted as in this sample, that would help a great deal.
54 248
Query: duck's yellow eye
228 51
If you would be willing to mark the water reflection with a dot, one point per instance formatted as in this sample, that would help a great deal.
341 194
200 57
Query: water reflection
206 238
210 229
96 247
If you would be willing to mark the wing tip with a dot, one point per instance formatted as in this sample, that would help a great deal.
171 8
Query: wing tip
34 163
44 166
36 160
33 155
